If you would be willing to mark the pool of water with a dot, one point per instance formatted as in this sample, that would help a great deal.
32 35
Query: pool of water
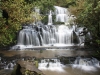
51 53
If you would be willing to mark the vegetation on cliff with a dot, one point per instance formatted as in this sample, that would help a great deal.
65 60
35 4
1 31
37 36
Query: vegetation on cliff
87 13
14 14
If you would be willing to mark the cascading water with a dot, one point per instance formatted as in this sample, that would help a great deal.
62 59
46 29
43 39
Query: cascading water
50 18
51 64
86 64
62 14
57 66
64 35
87 61
80 65
9 66
50 35
42 36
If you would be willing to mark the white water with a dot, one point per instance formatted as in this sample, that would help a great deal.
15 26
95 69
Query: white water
50 18
86 64
64 34
62 14
50 35
47 64
9 66
81 66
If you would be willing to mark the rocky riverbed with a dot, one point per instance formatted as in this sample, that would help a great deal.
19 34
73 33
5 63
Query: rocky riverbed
26 60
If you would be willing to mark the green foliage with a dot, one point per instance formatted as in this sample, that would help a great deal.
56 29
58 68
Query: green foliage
19 12
36 63
44 5
87 13
62 3
0 13
45 19
5 33
58 23
98 41
71 2
0 10
97 54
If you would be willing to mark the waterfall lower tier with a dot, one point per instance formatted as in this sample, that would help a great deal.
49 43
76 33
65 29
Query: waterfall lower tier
87 61
47 35
87 64
59 65
51 35
51 64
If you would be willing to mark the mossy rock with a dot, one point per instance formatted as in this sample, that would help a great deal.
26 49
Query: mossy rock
16 70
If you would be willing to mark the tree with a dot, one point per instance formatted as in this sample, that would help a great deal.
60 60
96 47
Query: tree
15 14
87 13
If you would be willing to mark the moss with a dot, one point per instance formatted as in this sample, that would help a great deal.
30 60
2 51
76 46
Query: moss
36 63
64 60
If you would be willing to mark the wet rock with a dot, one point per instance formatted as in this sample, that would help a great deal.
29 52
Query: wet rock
29 67
5 72
75 38
16 70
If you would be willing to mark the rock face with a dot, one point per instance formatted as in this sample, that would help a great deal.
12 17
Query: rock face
16 70
5 72
21 66
28 67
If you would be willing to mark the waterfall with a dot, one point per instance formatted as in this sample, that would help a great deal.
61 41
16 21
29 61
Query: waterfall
45 35
62 14
64 34
50 18
86 64
9 66
87 61
51 35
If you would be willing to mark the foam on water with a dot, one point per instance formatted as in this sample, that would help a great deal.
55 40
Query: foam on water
52 66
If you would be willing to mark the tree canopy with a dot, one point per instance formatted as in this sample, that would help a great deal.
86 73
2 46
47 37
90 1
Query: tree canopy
14 14
87 13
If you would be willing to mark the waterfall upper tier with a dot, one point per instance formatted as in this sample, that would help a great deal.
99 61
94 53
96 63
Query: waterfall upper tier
50 18
62 14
